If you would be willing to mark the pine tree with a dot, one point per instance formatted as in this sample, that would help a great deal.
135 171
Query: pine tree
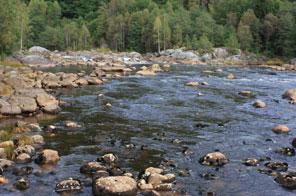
157 28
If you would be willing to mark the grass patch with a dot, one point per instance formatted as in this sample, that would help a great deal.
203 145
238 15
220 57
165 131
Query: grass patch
11 63
276 61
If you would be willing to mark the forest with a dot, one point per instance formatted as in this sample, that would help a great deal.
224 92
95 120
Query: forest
265 27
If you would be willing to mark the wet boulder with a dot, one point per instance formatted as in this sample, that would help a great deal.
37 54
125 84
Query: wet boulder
6 164
155 68
27 104
279 129
27 149
277 166
23 158
10 109
142 185
259 104
287 180
153 170
3 180
48 156
69 186
157 179
294 142
146 73
115 186
290 95
94 81
214 159
72 125
92 167
22 183
48 103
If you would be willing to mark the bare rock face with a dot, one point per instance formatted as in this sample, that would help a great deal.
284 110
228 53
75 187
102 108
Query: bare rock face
48 103
281 129
290 95
48 156
5 90
115 186
27 104
214 159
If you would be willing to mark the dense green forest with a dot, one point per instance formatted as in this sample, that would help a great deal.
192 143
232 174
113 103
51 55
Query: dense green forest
261 26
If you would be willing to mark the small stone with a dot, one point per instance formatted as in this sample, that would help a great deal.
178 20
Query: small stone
3 180
209 176
37 139
23 158
200 94
68 186
204 83
115 186
164 187
245 93
109 158
22 183
286 151
72 124
251 162
35 127
144 186
153 170
281 129
259 104
192 83
28 149
109 105
231 76
214 159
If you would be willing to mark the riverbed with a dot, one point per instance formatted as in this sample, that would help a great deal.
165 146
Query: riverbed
169 124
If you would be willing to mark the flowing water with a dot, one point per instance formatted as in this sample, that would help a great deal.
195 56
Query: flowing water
151 112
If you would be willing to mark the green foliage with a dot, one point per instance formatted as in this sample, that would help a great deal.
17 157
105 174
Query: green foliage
259 26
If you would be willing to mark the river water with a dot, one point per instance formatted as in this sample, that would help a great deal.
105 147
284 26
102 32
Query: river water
152 112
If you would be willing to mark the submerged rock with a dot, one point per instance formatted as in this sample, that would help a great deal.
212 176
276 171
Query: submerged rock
245 93
290 95
286 151
115 186
259 104
68 186
214 159
281 129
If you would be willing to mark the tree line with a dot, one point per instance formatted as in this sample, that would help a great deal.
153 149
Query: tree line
261 26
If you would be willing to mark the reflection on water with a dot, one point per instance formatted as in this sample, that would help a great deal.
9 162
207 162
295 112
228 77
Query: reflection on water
151 112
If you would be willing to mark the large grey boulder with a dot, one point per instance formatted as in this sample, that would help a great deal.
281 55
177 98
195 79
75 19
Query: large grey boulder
36 60
27 104
220 53
38 50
